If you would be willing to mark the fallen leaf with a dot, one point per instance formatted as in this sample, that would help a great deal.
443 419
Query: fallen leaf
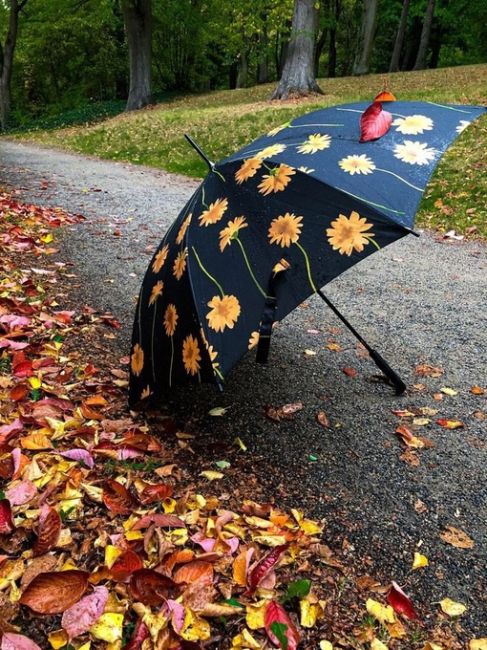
426 370
152 588
457 538
383 613
218 411
350 372
108 627
401 603
211 475
322 418
263 567
48 530
452 608
117 498
125 565
55 592
195 571
478 644
280 628
80 617
449 391
6 521
450 424
12 641
477 390
419 561
375 644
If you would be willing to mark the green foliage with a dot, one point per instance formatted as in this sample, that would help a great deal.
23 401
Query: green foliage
297 589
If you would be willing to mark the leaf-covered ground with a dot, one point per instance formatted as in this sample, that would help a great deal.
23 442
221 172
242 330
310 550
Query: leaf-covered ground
108 536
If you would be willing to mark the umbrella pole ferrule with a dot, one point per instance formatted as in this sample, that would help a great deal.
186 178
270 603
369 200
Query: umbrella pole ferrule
211 165
379 361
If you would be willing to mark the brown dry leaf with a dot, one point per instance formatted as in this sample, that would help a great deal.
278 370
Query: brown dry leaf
456 537
54 593
322 418
477 390
420 507
426 370
350 372
411 457
194 571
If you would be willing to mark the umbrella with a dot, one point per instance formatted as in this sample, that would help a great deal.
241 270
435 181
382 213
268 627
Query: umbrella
271 225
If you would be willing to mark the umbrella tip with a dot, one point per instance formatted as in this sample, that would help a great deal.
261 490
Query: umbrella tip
210 164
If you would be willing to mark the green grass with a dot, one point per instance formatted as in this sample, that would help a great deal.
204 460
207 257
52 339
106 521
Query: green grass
223 121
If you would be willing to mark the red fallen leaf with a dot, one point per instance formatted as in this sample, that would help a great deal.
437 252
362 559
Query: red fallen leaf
142 441
374 122
6 521
55 592
404 433
48 530
450 424
164 521
19 392
274 613
263 567
23 369
6 467
140 634
153 493
350 372
125 565
195 571
400 603
322 418
152 588
117 498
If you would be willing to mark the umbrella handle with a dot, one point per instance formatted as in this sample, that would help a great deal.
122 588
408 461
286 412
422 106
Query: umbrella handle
379 361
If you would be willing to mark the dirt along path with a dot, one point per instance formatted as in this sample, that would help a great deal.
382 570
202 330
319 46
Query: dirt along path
420 301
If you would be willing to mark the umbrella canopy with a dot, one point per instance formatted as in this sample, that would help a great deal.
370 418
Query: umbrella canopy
271 225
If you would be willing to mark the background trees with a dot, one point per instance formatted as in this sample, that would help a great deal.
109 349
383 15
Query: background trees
74 54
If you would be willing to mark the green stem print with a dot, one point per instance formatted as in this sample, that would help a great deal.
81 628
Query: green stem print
376 205
372 241
256 282
215 171
217 372
208 275
203 198
172 361
303 126
308 266
400 178
450 108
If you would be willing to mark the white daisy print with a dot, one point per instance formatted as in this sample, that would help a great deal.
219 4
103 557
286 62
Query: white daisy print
414 153
462 126
357 164
413 124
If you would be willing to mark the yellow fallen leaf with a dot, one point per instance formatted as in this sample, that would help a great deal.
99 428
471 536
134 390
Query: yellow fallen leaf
108 627
212 475
132 535
421 422
241 444
396 630
245 640
325 645
35 442
258 522
310 527
478 644
58 639
169 505
452 608
112 553
255 615
35 382
419 561
383 613
449 391
195 628
240 569
270 540
85 646
310 611
375 644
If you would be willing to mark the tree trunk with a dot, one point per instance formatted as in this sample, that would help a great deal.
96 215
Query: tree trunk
7 60
332 45
137 15
436 42
298 75
401 30
425 36
320 45
243 70
366 40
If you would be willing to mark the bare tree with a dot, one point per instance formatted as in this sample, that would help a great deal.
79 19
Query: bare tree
401 31
425 36
7 59
298 75
366 39
137 16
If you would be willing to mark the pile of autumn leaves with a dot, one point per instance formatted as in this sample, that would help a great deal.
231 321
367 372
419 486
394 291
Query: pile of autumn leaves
115 560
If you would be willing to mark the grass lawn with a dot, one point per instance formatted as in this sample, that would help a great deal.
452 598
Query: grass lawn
223 121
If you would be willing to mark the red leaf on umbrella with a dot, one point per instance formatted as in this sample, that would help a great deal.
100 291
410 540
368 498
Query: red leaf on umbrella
55 592
164 521
117 498
125 565
195 571
48 530
400 603
153 493
374 122
274 613
6 521
263 567
152 588
141 633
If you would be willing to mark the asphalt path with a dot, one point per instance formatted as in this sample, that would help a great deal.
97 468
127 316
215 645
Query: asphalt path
418 301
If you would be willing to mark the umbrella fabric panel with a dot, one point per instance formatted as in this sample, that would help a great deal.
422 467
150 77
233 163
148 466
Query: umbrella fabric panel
167 344
240 233
389 174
